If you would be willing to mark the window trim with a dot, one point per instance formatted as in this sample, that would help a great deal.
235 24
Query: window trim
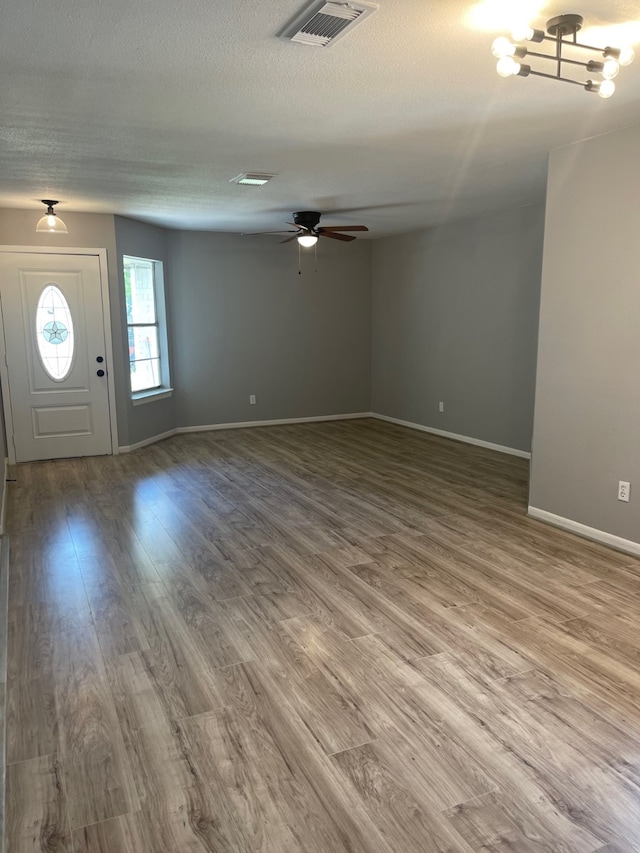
164 390
142 397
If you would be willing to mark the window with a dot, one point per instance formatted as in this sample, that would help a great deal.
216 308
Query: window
146 331
54 332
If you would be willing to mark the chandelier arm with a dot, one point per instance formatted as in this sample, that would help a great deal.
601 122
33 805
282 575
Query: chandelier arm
576 44
556 77
563 58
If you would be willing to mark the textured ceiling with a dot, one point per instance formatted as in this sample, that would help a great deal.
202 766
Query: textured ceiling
148 109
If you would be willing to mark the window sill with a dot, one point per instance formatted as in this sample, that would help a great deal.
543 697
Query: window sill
151 396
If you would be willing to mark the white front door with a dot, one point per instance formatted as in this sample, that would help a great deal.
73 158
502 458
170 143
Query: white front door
54 333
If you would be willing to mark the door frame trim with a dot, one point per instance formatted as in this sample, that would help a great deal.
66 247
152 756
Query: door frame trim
101 254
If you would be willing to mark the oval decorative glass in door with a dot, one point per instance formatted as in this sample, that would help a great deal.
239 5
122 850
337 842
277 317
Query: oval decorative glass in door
54 333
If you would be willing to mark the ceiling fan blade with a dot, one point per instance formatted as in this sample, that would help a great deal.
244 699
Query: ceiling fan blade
343 228
299 227
288 239
335 236
256 233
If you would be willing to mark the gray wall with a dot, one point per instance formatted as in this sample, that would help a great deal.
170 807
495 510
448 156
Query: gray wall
244 322
455 315
142 240
86 231
587 421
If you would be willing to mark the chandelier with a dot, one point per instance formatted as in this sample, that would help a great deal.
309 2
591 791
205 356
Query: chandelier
562 31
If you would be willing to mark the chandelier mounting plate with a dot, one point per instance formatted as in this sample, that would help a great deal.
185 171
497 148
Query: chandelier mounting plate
564 25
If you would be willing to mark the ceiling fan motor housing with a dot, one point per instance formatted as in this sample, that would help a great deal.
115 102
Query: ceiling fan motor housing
307 219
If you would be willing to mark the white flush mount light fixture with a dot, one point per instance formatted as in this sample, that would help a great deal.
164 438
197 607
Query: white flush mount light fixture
307 240
251 179
567 56
51 222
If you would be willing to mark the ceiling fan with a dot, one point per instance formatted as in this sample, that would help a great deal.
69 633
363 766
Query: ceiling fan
307 229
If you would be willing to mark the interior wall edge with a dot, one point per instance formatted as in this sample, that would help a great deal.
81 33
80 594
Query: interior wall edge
617 542
466 439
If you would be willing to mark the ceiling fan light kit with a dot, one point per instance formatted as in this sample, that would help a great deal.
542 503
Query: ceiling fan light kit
563 31
308 229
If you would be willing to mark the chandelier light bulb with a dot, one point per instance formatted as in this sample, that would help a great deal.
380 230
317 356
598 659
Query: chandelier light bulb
626 55
523 32
307 240
611 68
507 66
607 88
502 47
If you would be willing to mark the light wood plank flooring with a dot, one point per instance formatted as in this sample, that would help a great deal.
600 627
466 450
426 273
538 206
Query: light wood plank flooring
314 639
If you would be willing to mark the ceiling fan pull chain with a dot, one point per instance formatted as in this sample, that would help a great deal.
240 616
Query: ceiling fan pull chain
299 260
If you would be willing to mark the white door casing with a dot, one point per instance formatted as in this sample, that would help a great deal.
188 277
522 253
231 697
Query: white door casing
53 414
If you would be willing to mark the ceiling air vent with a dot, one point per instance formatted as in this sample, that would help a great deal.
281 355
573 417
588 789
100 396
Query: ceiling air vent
251 179
329 23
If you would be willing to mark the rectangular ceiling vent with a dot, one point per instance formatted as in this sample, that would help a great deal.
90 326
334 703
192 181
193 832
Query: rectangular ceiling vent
329 23
251 179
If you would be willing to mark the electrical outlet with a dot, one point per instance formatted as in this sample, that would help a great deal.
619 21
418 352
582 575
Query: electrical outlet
441 406
624 491
252 399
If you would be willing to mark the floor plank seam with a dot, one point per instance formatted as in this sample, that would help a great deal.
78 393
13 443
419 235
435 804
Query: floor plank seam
351 748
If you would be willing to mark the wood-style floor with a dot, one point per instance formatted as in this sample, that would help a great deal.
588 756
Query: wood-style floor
314 639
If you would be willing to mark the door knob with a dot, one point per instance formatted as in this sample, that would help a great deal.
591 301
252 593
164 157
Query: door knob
99 372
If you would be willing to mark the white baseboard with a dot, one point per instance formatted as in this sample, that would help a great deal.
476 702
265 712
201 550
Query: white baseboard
128 448
3 506
512 451
240 425
276 422
626 545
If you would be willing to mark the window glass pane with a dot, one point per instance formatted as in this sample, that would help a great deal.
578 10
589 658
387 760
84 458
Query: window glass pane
139 291
143 342
54 333
145 327
144 357
145 375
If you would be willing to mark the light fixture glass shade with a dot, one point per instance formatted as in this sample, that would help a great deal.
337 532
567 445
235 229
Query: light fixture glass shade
51 223
307 240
